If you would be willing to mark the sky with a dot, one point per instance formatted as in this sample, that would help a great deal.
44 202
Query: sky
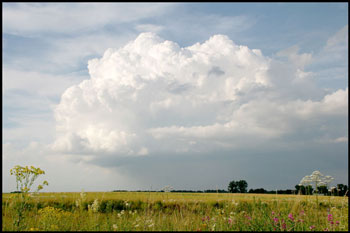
139 96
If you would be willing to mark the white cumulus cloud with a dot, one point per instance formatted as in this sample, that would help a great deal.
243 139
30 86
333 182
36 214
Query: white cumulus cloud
153 96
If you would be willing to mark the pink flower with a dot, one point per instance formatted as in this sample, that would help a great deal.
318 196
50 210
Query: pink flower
275 220
206 218
330 217
302 212
272 212
312 227
337 222
249 218
332 222
290 216
284 226
230 221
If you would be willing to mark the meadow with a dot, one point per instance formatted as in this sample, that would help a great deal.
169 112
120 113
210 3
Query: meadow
167 211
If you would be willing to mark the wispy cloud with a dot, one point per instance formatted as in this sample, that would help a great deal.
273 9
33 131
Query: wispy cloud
149 28
37 83
35 19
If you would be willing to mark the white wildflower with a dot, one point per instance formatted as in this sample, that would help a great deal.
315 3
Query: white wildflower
126 203
120 214
77 203
316 178
95 206
82 195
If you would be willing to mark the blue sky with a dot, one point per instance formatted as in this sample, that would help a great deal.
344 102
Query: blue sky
278 98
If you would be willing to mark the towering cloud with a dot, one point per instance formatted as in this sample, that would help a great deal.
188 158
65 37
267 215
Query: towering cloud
152 97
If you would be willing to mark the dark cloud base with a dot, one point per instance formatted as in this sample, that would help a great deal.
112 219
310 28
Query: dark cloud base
268 168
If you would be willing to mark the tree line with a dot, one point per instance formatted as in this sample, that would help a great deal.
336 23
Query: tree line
241 186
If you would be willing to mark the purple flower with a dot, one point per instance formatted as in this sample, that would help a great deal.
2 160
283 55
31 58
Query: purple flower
290 216
330 217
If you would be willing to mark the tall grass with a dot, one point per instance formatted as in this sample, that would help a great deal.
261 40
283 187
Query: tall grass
136 211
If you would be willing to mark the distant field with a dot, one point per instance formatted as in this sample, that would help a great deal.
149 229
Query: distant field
154 211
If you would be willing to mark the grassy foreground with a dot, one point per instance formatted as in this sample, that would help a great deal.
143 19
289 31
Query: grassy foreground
159 211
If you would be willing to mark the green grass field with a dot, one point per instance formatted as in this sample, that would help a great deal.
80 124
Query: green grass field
162 211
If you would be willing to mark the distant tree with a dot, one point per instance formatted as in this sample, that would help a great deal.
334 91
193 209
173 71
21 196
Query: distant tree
309 189
305 190
233 187
16 192
238 186
259 190
341 188
242 186
323 189
299 189
289 191
215 191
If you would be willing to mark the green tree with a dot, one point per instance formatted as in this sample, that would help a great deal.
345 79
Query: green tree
238 186
233 187
342 189
242 186
305 190
322 189
299 189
